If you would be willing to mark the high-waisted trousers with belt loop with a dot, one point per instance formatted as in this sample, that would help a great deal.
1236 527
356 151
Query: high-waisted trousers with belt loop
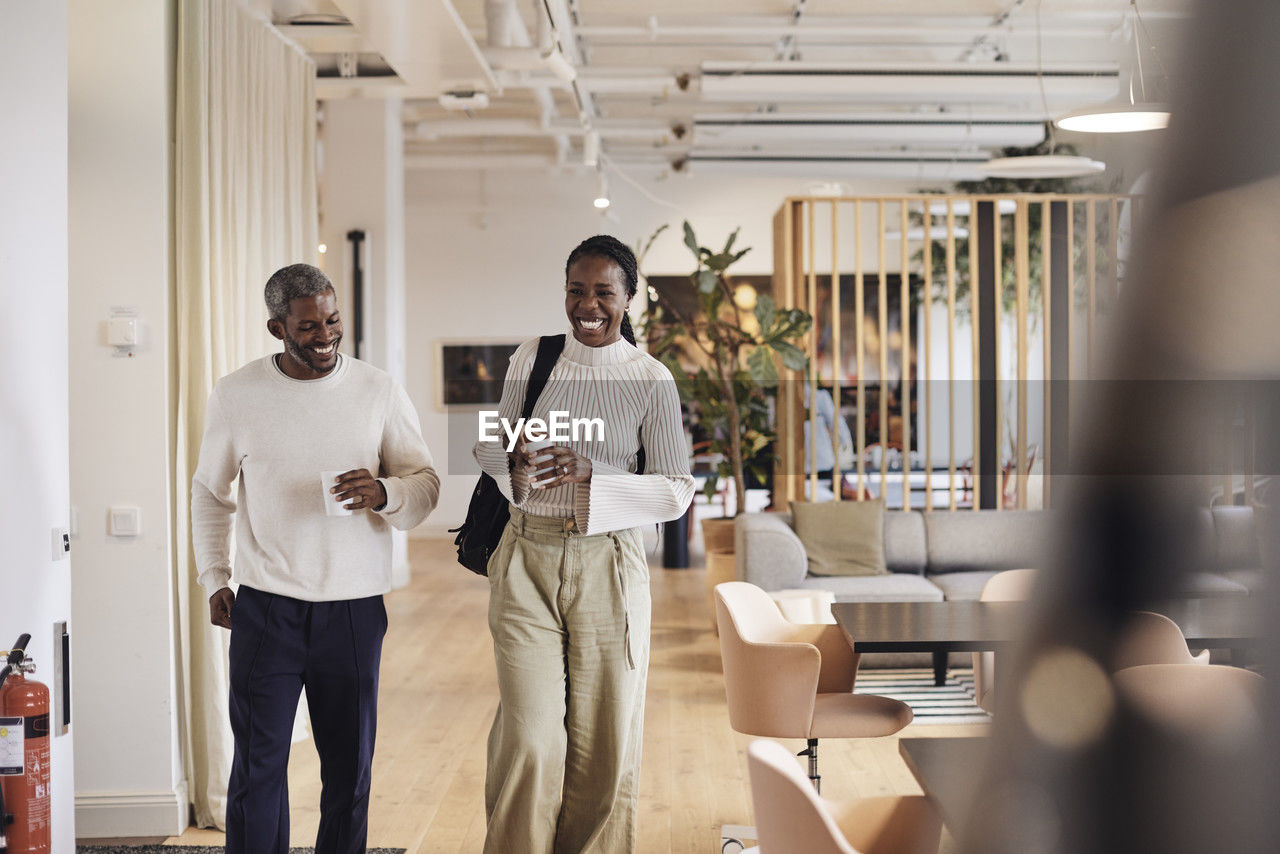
570 621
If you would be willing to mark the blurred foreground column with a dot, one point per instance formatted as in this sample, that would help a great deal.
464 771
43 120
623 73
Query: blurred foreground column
1076 765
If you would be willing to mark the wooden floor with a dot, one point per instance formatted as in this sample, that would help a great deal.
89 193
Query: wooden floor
438 696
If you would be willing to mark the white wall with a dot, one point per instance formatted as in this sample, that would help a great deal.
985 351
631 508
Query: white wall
35 590
362 187
485 255
129 777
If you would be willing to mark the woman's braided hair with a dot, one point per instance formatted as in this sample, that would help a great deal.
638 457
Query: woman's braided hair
606 246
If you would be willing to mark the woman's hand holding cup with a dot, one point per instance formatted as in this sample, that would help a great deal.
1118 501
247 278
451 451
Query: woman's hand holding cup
559 465
536 458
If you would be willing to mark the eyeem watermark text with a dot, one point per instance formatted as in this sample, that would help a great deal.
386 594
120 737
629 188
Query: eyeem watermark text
559 427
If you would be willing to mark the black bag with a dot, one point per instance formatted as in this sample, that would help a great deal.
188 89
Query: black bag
488 512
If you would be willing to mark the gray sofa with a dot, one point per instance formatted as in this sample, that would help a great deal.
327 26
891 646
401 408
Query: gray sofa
944 555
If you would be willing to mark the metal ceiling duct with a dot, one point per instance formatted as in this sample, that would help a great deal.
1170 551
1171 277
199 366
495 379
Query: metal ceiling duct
896 129
916 166
972 82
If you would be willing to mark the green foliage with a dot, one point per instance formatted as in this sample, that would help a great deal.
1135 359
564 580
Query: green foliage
729 393
1035 213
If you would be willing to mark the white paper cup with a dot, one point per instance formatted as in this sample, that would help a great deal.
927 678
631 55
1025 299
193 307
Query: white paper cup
538 478
332 505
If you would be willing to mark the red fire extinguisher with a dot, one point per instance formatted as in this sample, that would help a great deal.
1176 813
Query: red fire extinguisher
25 827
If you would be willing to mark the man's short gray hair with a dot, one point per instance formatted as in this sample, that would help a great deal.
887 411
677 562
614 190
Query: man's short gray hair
289 283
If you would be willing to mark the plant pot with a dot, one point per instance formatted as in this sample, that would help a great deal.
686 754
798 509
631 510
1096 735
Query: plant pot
721 567
717 535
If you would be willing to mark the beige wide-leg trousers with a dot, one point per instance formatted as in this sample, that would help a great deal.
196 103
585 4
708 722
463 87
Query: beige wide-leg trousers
570 621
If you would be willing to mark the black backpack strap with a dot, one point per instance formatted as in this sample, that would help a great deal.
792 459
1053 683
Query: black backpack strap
549 349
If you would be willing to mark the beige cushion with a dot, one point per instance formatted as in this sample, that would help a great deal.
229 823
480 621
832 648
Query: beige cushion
842 537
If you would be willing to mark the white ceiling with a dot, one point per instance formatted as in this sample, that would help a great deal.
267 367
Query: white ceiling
864 87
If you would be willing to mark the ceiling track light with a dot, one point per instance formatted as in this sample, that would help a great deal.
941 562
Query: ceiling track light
602 192
559 65
463 100
591 148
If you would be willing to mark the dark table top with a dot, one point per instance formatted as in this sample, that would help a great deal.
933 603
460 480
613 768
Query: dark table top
926 626
948 770
975 626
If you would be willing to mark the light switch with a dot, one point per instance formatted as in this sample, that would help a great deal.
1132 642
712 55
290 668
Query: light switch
122 331
124 521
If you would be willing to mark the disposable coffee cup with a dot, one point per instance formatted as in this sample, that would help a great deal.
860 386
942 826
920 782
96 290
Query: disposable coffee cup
333 506
539 477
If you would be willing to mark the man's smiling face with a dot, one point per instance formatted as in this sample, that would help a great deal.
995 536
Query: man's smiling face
311 333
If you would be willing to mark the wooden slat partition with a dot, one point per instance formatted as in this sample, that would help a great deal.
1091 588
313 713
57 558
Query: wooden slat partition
836 354
812 300
883 312
956 478
951 355
925 381
1091 255
1046 326
904 280
975 299
860 320
997 294
1021 273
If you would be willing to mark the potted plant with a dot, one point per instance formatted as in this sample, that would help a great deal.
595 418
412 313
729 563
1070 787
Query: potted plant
723 358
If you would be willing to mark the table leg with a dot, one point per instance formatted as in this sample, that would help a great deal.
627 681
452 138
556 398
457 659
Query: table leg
939 667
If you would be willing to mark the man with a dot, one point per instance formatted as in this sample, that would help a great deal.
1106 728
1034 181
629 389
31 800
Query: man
309 612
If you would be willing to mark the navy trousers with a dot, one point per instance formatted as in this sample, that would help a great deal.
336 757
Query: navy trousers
279 646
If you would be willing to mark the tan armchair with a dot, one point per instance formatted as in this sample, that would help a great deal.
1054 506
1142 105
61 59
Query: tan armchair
1012 585
791 818
790 681
1216 702
1149 638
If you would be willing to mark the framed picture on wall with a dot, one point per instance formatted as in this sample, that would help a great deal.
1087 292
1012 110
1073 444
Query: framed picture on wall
471 372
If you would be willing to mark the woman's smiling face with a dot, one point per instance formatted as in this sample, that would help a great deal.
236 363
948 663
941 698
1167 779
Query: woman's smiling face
595 299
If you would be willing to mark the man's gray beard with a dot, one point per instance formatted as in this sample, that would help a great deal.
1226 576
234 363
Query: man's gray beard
303 355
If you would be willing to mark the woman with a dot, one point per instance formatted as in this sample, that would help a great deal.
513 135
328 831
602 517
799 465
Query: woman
569 583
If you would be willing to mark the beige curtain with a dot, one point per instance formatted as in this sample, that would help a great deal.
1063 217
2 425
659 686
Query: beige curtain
245 205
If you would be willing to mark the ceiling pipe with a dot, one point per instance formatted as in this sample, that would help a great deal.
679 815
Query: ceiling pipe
905 168
564 35
487 127
506 31
770 32
920 82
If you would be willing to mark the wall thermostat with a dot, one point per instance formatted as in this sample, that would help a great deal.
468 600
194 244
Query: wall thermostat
124 329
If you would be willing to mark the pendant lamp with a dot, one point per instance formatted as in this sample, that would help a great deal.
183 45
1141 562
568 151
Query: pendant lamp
1124 115
1051 165
1041 166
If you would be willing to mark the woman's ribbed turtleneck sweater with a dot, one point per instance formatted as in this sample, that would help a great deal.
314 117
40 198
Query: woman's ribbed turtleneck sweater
636 398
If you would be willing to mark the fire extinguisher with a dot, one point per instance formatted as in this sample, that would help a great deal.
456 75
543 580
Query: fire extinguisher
25 826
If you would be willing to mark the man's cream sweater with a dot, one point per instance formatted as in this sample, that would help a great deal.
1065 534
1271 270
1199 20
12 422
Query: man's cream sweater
276 434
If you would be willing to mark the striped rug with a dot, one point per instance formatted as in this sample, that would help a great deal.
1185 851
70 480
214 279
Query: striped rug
951 703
